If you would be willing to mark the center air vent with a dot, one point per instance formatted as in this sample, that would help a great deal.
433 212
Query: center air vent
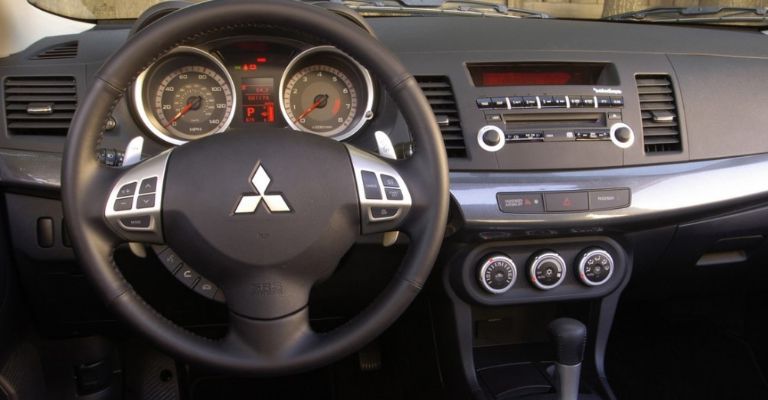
58 52
40 105
439 93
661 127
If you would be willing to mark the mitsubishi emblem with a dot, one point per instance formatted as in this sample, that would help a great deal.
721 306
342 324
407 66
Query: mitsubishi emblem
275 202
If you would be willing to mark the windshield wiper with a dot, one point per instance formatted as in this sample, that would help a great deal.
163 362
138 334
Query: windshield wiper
695 15
442 7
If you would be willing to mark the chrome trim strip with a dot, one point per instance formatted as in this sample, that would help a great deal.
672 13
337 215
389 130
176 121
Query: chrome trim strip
657 190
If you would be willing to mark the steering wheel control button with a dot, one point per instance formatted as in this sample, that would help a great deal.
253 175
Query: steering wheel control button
384 212
206 288
520 203
547 270
148 185
123 204
608 199
187 276
566 201
491 138
595 267
127 190
170 260
371 185
393 194
497 274
136 222
389 181
145 201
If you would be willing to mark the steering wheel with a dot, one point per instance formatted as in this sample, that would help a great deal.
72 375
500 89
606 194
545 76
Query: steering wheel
265 213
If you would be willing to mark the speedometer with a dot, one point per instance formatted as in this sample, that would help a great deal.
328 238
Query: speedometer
186 95
325 92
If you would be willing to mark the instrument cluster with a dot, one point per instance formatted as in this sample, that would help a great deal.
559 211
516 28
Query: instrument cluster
194 92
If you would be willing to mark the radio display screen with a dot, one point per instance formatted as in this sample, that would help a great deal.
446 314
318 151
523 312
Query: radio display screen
536 74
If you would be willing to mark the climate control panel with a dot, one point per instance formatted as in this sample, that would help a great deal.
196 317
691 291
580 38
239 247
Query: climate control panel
554 269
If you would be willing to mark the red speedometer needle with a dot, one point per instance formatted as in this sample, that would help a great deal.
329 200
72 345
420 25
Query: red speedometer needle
320 100
183 111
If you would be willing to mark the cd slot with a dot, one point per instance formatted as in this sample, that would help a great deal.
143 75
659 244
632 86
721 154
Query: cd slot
554 120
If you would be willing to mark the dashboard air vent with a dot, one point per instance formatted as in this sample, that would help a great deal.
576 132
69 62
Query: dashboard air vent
58 52
439 93
41 105
661 129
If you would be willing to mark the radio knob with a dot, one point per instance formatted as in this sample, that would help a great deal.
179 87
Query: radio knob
491 138
497 274
622 135
547 270
595 267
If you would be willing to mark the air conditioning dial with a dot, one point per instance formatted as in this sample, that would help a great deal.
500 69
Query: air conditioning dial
497 274
595 267
547 270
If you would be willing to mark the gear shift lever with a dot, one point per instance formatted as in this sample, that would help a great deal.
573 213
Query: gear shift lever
570 337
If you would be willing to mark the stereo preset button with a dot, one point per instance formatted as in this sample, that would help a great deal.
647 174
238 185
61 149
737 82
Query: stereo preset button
617 101
530 101
608 199
566 201
499 102
559 101
547 101
484 102
521 203
588 101
576 101
603 101
516 102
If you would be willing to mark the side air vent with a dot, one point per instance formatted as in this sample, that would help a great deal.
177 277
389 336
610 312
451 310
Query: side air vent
40 105
661 129
58 52
439 93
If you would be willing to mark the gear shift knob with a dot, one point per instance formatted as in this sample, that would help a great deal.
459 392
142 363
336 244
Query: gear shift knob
570 337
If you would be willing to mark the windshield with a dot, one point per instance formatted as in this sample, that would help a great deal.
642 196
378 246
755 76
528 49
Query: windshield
749 12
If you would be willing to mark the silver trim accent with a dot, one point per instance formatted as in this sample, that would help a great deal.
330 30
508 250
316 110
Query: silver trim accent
657 191
151 168
384 143
39 108
249 203
363 161
567 102
583 264
618 143
485 267
538 260
367 113
570 376
486 147
133 151
137 99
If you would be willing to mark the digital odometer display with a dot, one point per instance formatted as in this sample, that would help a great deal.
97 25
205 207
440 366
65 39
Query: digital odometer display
258 101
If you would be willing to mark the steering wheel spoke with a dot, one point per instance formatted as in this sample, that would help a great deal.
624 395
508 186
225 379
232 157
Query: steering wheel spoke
384 195
134 206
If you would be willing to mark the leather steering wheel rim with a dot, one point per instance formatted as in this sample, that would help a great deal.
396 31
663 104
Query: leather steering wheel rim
84 181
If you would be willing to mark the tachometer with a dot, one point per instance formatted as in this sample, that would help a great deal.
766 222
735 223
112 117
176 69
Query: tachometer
185 96
325 92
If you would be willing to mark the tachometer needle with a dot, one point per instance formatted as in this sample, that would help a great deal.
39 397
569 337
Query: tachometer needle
323 98
184 110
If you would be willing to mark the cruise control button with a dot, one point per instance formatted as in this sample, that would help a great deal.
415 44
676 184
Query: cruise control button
393 194
148 185
384 212
521 203
371 185
568 201
127 190
608 199
389 181
123 204
170 260
136 222
187 276
206 288
146 201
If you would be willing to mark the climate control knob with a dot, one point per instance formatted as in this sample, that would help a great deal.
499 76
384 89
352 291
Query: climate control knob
547 270
595 267
497 274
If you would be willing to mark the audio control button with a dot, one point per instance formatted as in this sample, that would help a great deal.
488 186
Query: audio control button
484 102
490 138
